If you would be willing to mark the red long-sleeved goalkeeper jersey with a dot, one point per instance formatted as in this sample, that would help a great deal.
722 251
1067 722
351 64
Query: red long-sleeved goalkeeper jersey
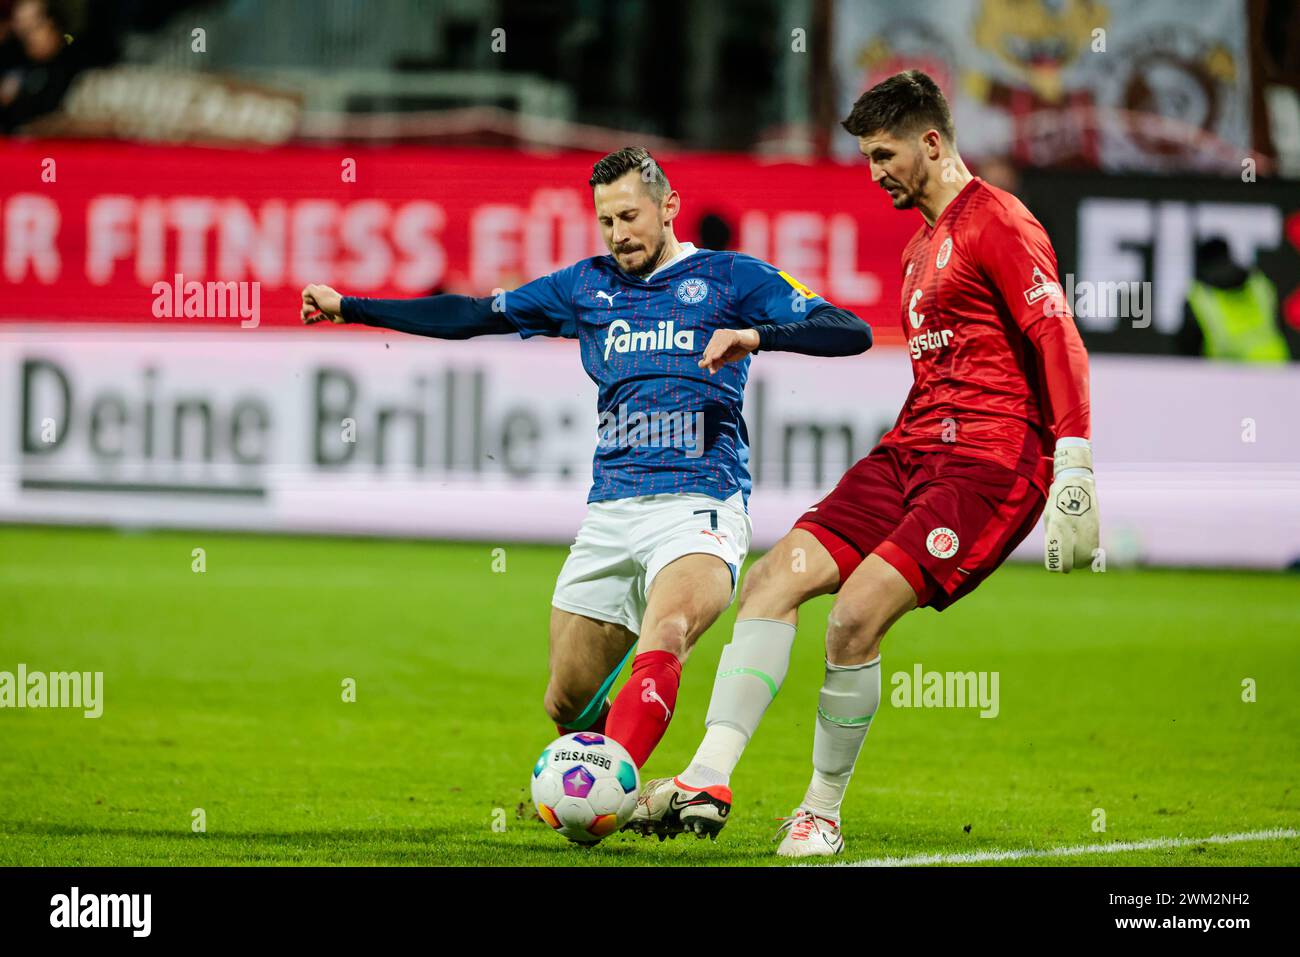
999 369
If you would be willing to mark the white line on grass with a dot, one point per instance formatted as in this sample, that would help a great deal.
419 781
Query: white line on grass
1113 847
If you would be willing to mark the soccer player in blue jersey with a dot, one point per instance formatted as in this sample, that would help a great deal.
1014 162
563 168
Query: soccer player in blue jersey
665 331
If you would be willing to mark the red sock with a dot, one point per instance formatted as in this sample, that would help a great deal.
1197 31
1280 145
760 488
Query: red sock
598 727
644 706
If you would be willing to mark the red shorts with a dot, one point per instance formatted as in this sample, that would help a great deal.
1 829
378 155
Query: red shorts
944 521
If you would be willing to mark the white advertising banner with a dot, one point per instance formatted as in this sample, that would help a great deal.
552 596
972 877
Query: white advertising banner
351 432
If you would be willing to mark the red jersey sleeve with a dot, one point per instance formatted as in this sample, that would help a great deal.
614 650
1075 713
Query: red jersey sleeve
1018 259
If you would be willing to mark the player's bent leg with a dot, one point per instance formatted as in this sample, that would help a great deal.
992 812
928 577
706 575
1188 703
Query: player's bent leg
585 658
871 601
754 663
684 599
875 596
797 568
750 673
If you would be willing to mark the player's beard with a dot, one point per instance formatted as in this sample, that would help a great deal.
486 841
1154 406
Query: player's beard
907 197
651 261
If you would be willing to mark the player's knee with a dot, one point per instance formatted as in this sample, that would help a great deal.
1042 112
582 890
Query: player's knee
765 591
561 706
755 580
670 633
854 631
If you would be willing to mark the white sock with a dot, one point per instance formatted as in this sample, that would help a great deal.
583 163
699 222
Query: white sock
849 698
716 758
750 673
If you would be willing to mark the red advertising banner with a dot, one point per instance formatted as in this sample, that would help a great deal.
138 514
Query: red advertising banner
96 231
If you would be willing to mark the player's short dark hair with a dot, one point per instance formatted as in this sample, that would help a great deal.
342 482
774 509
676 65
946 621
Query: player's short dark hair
905 103
621 162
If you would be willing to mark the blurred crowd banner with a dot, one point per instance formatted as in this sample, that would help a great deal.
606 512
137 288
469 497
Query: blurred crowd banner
337 430
91 230
1104 84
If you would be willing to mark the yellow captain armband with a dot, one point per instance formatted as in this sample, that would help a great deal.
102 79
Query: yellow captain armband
796 284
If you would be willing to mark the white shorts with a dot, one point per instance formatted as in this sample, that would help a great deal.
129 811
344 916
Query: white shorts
623 544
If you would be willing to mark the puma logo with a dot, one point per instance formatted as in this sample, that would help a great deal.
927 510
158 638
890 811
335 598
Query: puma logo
601 294
705 531
649 694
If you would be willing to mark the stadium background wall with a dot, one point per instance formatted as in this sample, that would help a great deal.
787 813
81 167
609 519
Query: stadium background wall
389 435
199 421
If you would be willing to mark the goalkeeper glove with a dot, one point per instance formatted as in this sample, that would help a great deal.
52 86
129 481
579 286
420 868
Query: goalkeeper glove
1071 514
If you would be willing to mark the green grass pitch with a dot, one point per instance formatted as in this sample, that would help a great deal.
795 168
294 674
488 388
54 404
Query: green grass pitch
223 691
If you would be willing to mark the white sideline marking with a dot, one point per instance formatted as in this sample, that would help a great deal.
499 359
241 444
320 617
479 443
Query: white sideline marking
1114 847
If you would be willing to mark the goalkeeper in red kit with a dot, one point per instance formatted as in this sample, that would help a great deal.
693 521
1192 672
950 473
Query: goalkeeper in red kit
996 425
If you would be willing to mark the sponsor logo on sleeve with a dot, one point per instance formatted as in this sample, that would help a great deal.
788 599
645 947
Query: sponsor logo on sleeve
1042 286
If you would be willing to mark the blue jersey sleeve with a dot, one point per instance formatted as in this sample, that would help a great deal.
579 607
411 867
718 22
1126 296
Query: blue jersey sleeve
790 317
766 295
544 307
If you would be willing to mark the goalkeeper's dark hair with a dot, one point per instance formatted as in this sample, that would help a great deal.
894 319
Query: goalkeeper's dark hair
904 104
621 162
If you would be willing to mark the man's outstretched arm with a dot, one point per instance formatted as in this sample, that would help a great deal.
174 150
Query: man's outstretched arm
782 315
441 317
827 331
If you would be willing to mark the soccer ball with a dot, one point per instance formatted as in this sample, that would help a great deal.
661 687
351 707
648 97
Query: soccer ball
585 786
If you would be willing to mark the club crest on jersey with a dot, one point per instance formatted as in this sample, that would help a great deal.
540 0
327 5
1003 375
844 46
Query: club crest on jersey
691 291
665 335
1042 287
941 542
945 251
